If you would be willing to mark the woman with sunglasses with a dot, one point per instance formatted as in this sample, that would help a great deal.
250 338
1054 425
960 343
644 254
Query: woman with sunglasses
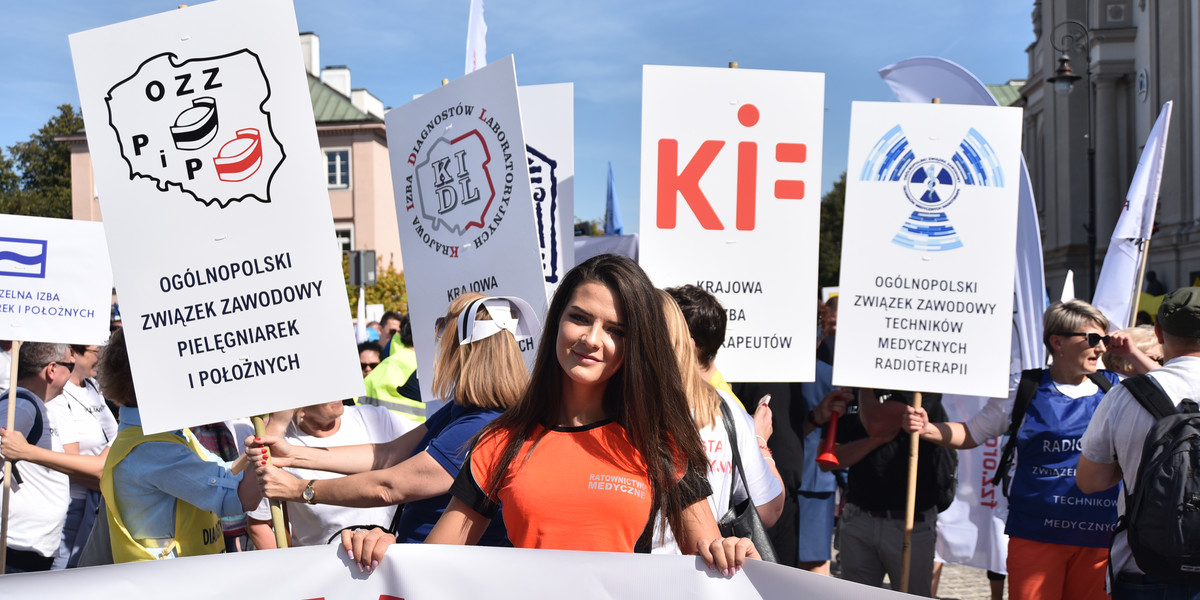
1058 536
479 371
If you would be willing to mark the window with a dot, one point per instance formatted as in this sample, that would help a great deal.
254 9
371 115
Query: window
345 237
337 166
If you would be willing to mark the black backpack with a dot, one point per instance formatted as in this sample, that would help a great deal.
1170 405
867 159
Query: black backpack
1030 380
945 461
1162 511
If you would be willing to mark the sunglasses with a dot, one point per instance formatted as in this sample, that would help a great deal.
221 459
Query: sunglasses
366 366
69 365
1092 338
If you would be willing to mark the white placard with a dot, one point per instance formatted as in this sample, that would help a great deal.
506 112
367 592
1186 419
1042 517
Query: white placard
463 202
428 572
928 248
548 117
216 211
730 201
55 281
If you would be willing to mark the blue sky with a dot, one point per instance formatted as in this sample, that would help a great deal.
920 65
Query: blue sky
400 48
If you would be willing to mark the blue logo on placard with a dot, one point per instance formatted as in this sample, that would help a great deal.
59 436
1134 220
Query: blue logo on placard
931 184
22 257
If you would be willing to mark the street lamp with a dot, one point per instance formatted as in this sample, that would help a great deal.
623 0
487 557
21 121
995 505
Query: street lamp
1068 36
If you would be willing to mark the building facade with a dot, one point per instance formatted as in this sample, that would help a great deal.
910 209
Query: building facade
353 143
1141 54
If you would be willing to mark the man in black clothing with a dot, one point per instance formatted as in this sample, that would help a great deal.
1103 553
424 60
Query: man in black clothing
876 450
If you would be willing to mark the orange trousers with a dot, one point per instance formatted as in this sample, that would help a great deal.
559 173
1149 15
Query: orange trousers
1044 571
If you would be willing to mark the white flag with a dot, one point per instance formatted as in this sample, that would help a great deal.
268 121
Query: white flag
1068 292
1117 289
360 321
476 38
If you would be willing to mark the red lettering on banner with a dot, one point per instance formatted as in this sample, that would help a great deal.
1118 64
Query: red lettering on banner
686 183
673 182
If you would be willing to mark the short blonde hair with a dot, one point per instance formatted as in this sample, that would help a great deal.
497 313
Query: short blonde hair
1143 337
488 373
1068 317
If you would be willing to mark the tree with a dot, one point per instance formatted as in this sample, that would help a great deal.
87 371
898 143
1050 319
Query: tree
36 180
594 227
829 256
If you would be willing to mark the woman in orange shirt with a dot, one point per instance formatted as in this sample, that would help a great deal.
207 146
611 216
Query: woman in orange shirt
602 440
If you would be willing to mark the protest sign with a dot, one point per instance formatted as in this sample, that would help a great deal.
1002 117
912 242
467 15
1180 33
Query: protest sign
216 211
418 572
548 117
55 281
730 202
464 205
928 248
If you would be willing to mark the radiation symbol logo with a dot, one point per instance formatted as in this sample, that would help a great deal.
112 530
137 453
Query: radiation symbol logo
931 184
199 125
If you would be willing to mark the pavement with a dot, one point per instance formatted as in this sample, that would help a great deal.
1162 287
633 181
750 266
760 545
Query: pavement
960 582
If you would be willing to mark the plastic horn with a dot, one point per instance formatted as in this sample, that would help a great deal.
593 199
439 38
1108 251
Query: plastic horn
827 458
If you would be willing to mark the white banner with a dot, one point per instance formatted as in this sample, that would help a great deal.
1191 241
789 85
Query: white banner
55 281
928 251
463 202
730 201
548 117
218 222
420 572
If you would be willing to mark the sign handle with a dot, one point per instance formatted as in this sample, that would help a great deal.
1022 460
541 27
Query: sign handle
910 503
10 424
277 521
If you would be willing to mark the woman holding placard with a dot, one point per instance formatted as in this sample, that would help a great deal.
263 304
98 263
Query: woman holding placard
601 442
479 369
1058 536
165 493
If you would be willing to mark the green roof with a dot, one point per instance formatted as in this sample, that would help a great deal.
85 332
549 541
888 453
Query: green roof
329 106
1006 94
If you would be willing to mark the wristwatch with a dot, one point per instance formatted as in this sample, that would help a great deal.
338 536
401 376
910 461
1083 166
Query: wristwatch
309 492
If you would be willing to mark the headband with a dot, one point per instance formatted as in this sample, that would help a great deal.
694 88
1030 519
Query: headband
509 313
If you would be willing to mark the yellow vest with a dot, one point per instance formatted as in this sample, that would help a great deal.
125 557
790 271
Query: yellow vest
197 532
393 372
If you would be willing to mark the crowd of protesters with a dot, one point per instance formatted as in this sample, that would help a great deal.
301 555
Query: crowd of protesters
623 437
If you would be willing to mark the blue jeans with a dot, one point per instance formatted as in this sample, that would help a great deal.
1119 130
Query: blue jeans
1151 589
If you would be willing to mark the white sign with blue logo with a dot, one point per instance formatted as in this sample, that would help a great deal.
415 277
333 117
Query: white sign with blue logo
55 281
217 213
464 204
928 248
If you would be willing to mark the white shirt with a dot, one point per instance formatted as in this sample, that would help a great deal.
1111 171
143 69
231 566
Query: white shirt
39 504
993 419
1118 431
312 524
764 487
95 425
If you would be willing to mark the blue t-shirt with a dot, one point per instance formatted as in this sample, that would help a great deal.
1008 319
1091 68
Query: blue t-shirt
1044 504
448 441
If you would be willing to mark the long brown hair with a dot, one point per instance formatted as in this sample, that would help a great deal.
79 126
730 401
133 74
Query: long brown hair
701 396
645 396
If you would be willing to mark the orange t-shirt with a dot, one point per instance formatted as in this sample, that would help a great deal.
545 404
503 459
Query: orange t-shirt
582 488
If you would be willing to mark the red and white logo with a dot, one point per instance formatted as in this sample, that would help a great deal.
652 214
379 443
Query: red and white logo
199 125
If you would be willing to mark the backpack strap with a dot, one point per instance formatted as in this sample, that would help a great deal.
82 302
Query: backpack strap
1030 380
1101 381
1151 396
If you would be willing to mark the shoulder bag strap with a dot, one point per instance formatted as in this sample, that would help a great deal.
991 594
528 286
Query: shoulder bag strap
1101 382
727 415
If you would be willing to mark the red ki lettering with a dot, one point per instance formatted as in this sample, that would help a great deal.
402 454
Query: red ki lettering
673 182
